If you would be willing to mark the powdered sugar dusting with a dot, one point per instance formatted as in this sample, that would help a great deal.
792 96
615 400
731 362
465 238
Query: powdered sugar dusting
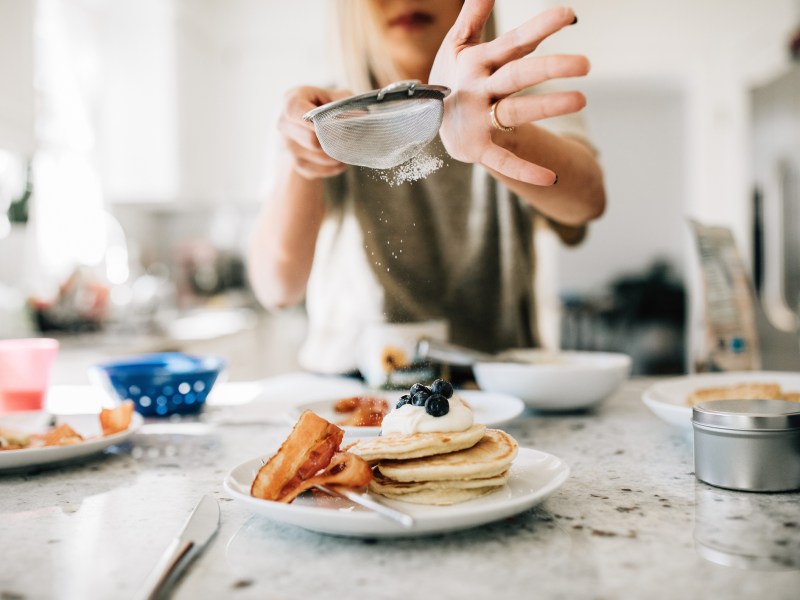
416 168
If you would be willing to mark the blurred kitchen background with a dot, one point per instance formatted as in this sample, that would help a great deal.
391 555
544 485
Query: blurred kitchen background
137 137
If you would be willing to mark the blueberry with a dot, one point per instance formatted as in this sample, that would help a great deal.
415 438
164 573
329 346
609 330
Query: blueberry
437 405
440 386
419 398
418 387
404 399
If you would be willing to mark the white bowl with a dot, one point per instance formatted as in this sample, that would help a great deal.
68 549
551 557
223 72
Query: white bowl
555 381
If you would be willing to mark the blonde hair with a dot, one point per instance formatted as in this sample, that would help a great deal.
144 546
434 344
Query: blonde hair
364 58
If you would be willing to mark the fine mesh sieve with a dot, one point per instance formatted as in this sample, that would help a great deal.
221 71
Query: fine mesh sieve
382 128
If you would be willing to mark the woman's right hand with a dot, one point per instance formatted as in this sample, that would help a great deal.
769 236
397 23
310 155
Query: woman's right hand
308 158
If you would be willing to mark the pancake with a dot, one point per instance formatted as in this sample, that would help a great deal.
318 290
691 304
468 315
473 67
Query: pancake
386 486
398 446
742 391
443 497
490 457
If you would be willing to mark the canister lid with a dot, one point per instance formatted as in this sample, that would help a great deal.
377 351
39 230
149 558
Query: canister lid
748 414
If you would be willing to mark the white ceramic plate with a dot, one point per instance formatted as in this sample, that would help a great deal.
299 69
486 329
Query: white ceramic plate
667 399
86 425
534 476
555 381
491 409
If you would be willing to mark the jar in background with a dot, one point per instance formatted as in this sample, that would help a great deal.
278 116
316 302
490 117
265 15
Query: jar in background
387 353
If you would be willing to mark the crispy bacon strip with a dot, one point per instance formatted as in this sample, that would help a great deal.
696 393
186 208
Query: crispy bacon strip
63 435
310 456
345 469
362 411
308 449
116 419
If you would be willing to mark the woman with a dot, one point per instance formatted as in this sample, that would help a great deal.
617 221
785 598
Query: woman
457 245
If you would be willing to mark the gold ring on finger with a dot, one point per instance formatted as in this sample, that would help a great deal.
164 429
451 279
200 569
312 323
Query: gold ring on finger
495 121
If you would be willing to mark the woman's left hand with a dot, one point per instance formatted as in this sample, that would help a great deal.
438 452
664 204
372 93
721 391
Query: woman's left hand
482 74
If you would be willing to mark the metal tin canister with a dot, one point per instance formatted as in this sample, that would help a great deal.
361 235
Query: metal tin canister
750 445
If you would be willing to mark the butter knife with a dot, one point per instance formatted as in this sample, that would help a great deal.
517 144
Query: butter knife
199 529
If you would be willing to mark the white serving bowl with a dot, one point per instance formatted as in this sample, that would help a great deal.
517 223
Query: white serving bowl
555 381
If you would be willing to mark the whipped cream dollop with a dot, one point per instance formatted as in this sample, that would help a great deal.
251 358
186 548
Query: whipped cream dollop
410 419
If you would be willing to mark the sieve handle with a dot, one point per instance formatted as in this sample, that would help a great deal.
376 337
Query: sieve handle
399 86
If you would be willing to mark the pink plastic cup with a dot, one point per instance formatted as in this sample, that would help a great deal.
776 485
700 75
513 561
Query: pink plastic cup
25 368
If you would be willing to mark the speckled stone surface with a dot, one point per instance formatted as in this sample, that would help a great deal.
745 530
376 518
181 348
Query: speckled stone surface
631 522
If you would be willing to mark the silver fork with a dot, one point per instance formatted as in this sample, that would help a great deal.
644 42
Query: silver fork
368 502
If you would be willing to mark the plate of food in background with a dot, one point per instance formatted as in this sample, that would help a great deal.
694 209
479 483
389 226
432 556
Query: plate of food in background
36 438
361 414
672 400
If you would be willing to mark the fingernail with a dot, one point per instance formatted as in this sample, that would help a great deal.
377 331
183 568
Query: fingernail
556 180
575 20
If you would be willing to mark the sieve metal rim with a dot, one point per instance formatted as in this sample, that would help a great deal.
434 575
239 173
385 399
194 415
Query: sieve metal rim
390 92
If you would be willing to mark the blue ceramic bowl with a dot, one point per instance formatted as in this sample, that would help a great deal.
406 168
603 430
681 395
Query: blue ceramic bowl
162 384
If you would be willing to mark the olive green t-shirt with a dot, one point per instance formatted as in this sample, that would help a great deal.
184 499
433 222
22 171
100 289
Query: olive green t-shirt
455 245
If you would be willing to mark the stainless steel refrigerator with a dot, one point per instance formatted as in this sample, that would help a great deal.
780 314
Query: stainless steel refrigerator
776 217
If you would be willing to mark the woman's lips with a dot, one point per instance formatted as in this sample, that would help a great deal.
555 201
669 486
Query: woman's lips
411 20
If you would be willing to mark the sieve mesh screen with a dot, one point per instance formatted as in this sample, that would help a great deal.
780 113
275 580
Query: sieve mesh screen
382 129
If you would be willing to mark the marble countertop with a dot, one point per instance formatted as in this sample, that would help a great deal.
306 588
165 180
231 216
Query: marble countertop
631 521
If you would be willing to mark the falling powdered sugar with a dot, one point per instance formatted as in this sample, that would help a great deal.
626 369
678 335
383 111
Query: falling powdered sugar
416 168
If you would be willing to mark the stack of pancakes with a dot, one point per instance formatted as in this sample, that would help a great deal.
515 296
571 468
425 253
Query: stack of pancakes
438 468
